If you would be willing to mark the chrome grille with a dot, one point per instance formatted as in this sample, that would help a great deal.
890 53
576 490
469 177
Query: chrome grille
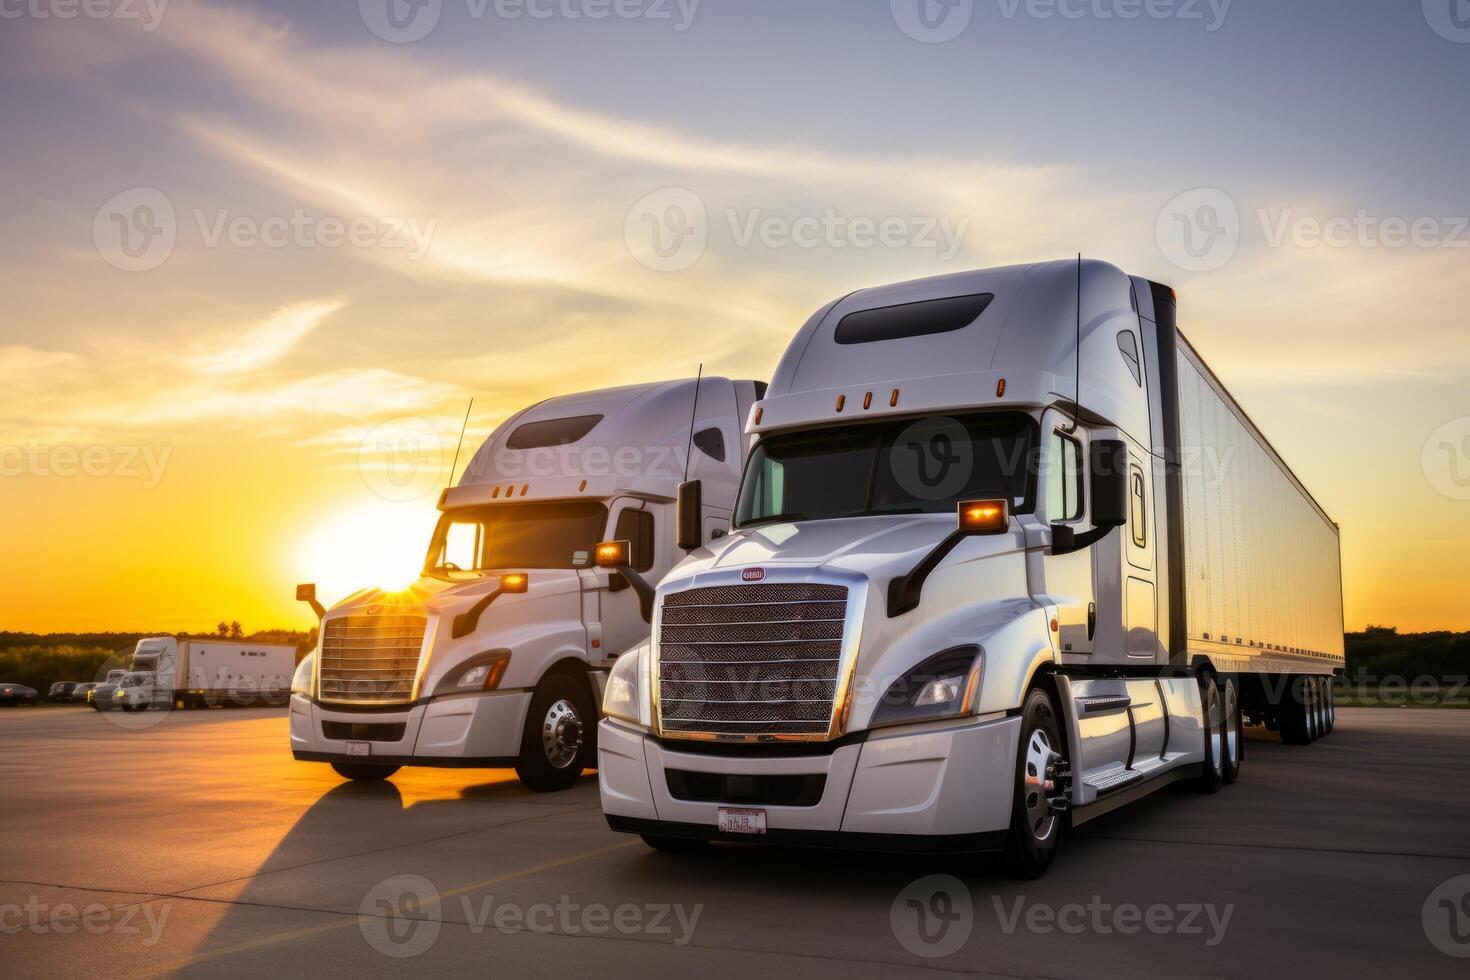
750 660
371 659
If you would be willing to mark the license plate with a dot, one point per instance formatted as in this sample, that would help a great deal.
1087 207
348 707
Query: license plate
359 748
738 820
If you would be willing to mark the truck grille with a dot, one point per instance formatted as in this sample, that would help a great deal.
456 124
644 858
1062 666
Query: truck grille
750 660
371 659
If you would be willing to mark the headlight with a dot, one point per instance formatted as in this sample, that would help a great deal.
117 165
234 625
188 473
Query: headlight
301 680
624 697
947 685
482 672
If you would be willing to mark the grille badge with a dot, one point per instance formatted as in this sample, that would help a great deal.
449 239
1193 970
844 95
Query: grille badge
753 575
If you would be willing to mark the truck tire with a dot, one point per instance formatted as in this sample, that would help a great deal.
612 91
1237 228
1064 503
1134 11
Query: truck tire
1294 708
1035 834
1212 770
1330 700
557 742
1234 729
363 771
674 845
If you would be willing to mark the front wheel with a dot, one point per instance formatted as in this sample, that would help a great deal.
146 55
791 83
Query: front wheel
557 742
363 772
1234 753
1036 828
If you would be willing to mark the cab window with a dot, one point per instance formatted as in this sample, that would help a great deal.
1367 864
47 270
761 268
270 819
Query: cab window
1064 483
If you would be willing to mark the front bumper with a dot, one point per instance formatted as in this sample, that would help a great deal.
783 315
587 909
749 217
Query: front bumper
473 731
949 788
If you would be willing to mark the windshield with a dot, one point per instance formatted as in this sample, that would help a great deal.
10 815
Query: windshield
906 466
474 540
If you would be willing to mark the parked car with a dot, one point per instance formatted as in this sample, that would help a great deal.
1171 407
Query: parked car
61 691
18 694
81 694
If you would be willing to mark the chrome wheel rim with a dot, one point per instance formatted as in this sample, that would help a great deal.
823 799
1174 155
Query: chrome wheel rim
1035 778
561 734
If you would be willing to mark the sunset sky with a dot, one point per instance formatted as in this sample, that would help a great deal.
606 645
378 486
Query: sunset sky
348 237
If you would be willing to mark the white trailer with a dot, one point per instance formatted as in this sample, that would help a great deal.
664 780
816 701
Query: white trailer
497 654
1007 555
169 672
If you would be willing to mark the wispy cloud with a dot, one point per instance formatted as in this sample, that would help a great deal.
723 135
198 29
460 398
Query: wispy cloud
270 340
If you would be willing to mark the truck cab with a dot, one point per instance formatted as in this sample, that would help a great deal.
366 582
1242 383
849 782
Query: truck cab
951 611
497 654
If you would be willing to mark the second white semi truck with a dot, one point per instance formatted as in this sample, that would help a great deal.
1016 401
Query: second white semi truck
1006 556
497 654
167 672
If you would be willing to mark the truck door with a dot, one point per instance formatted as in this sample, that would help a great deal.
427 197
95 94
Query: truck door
1066 580
620 621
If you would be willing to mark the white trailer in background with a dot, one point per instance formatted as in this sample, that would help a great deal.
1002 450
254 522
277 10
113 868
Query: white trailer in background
1006 556
497 654
168 672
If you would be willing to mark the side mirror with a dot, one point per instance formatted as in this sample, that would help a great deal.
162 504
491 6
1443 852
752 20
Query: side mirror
618 557
511 583
973 517
1107 484
688 529
307 593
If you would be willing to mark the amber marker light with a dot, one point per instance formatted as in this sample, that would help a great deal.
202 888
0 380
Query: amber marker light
1000 388
984 516
514 583
613 554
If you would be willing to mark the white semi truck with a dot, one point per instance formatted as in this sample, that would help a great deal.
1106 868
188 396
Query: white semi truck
497 654
167 672
1006 556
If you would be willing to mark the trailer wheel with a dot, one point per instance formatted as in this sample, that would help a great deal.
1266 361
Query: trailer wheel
557 742
363 772
1294 711
1212 770
674 845
1331 702
1234 753
1036 829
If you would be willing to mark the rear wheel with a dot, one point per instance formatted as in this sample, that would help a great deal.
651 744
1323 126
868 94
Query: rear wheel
1036 829
556 744
1295 709
1234 753
1331 703
363 771
1212 771
674 845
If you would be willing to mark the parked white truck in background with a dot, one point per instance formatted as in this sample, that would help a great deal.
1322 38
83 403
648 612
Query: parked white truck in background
167 672
496 656
979 588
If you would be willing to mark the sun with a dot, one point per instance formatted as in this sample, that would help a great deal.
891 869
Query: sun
379 545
